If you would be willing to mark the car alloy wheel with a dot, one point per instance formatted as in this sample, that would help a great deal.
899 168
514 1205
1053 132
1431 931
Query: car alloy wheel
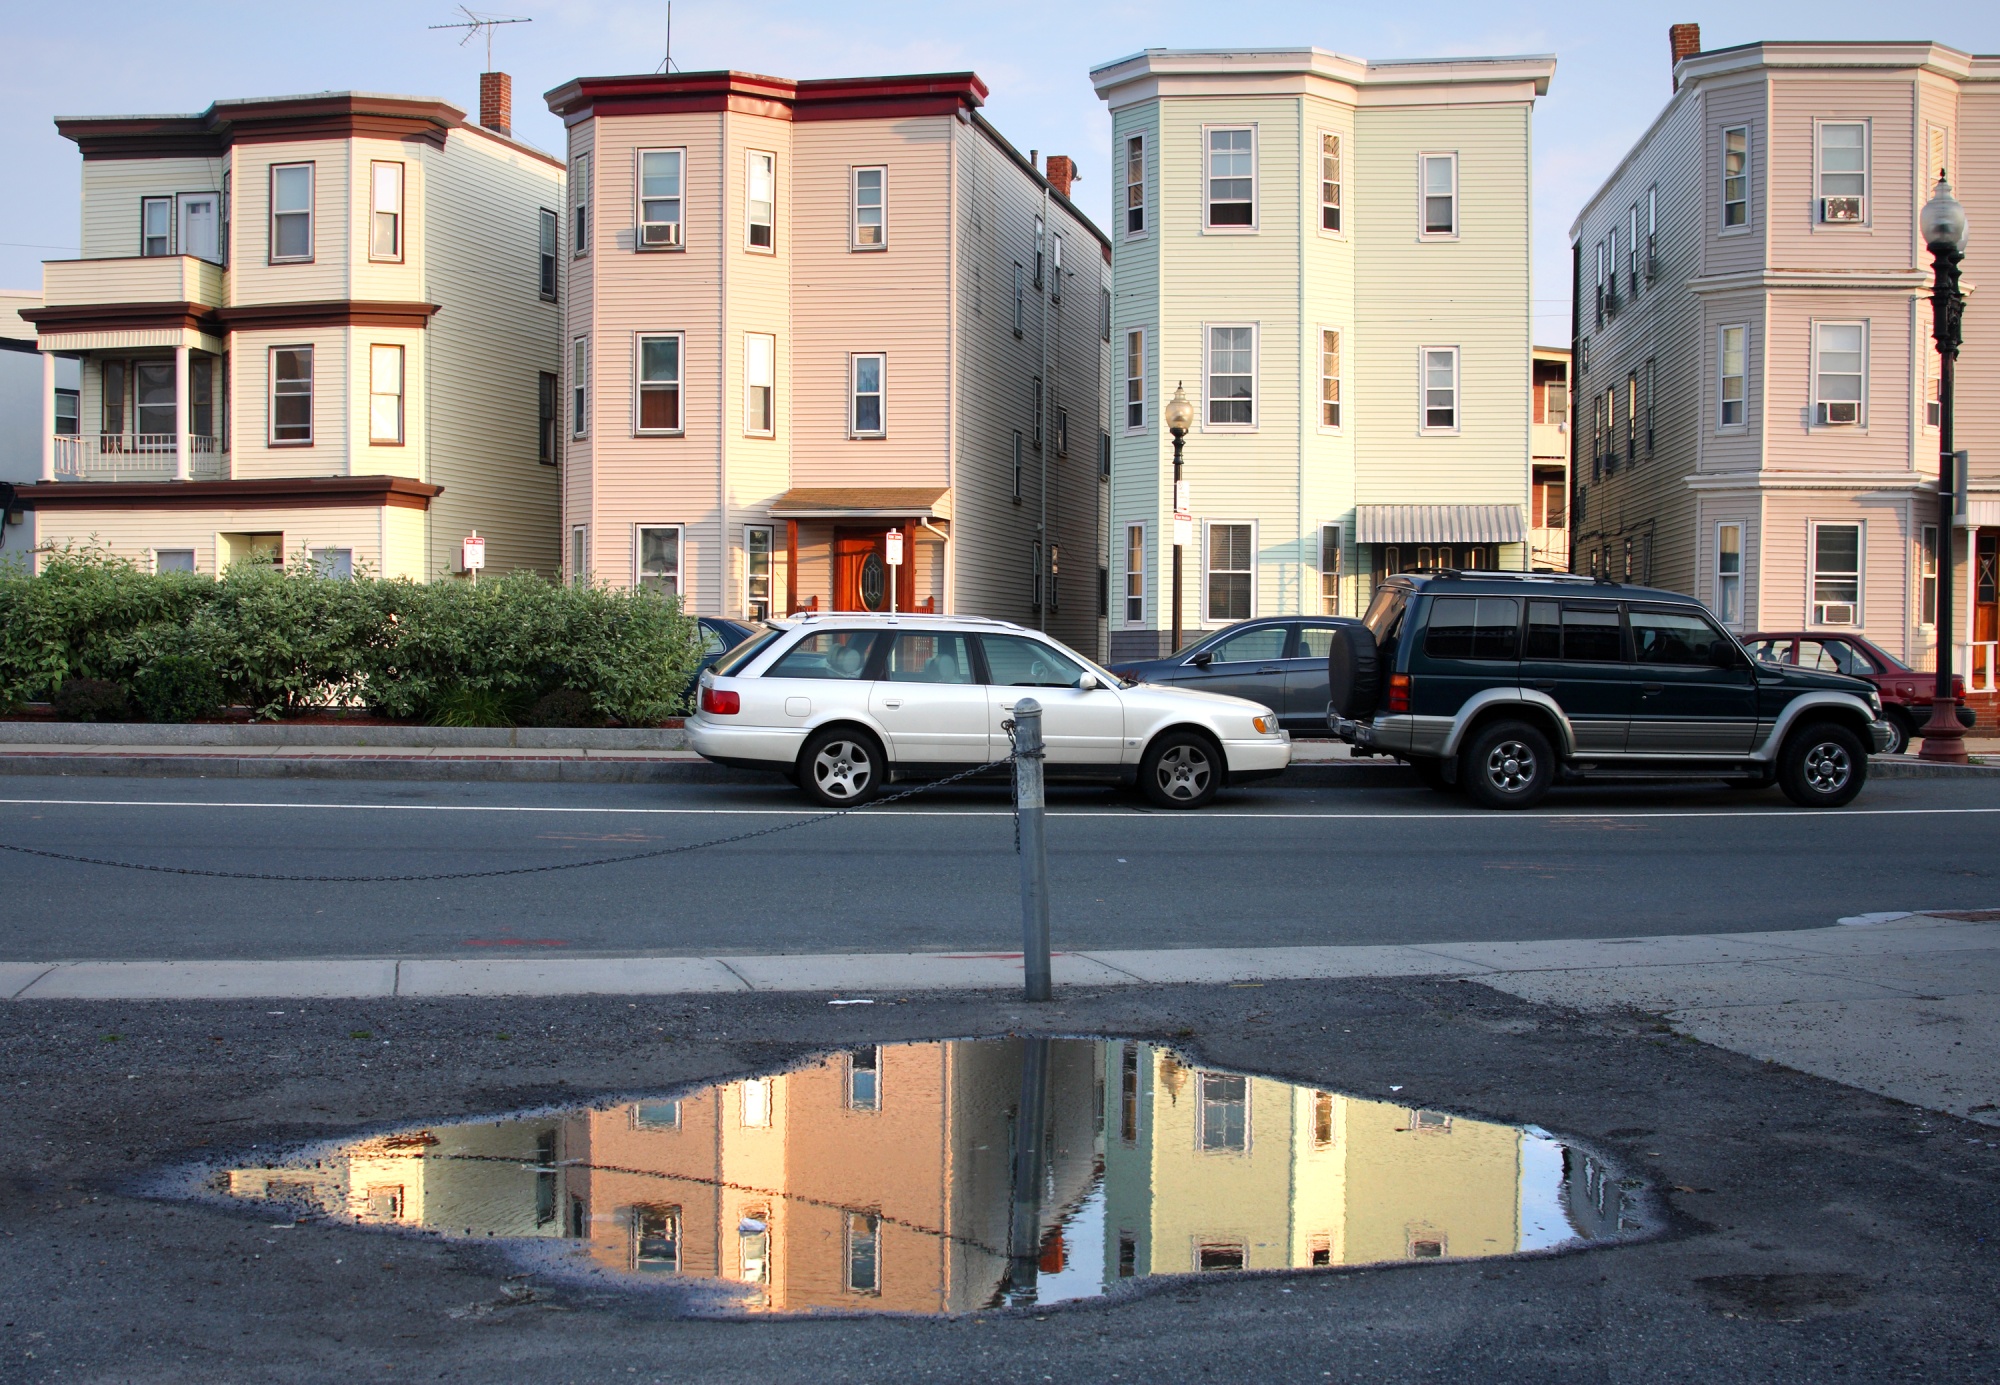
1181 769
1822 765
1510 766
1184 773
1828 767
843 771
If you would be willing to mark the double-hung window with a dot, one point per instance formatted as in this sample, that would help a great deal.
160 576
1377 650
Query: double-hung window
1017 467
385 211
1729 573
1632 416
1843 173
385 395
661 205
1927 576
657 550
1135 380
1232 377
1020 298
1135 185
579 556
867 418
579 388
760 384
1440 389
291 213
579 193
549 225
871 208
548 390
1933 372
1611 266
1632 248
1041 250
1836 574
757 563
659 383
1228 593
1652 402
1439 183
1329 569
1055 269
156 226
1329 182
1329 378
1735 177
1840 375
1652 231
291 396
1035 401
1135 574
1232 177
1937 157
1600 304
1734 352
760 213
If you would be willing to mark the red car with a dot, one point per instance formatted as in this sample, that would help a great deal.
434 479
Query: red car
1906 693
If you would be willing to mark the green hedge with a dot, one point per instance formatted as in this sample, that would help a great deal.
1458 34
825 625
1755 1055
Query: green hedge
292 641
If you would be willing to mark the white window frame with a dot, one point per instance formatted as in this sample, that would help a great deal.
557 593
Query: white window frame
378 351
1813 603
1208 226
1820 221
579 387
1332 537
1424 426
1930 370
1632 250
1423 196
1337 231
1137 141
548 231
854 394
147 207
1134 576
312 202
1208 330
1336 378
1929 557
271 438
677 239
579 554
1723 377
854 238
751 158
1018 466
1937 158
639 383
1859 423
760 357
1208 528
680 555
770 597
1138 400
579 191
396 173
1020 297
1652 231
1727 582
1724 226
1055 267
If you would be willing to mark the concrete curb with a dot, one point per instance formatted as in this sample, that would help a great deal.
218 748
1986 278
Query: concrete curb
275 733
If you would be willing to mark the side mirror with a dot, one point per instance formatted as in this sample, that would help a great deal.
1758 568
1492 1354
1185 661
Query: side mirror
1088 683
1203 659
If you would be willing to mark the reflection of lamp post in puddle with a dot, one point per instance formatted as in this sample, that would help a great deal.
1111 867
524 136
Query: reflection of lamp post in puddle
1031 1120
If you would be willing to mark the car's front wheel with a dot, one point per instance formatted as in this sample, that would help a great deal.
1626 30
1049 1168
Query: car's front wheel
1181 769
1901 728
1822 765
842 768
1508 765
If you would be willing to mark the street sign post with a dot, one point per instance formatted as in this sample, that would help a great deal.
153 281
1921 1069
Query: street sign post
895 558
472 555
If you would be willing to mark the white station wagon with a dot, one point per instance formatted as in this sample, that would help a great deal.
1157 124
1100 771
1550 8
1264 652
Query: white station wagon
843 703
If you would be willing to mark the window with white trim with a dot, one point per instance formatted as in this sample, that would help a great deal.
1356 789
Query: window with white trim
1652 401
1734 370
1600 303
579 556
1329 378
385 211
760 196
1652 231
1020 297
1440 389
579 192
549 227
579 388
1937 160
760 384
1229 593
1135 574
656 550
1135 185
1927 576
156 226
1329 569
1840 373
1843 173
757 564
291 213
1836 574
1135 380
1632 248
1735 177
867 418
662 204
1041 410
1729 573
1041 250
291 396
1632 416
1017 466
1438 182
658 384
1611 263
1232 177
870 192
1232 377
1329 182
1055 269
1933 370
385 394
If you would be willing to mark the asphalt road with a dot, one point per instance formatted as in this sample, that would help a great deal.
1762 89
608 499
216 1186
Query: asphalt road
1267 868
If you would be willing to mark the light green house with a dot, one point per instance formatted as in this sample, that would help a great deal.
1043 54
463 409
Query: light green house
1332 257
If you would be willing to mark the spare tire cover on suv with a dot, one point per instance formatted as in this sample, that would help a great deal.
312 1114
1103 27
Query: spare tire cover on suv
1353 671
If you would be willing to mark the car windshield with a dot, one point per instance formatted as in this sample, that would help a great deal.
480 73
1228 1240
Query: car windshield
760 635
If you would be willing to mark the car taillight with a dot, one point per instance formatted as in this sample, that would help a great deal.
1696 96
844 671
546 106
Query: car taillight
721 702
1399 693
1958 687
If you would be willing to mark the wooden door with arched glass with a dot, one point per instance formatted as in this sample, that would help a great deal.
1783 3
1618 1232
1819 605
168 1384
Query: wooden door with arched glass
861 571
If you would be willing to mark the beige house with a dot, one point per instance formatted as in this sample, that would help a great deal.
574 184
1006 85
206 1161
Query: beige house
1757 384
320 324
803 315
1548 445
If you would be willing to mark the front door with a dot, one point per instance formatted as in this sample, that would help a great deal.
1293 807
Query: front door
1079 727
1689 704
861 572
201 225
1245 663
930 701
1575 652
1986 590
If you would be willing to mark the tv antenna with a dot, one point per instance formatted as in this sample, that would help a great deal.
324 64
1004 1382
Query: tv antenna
475 24
667 63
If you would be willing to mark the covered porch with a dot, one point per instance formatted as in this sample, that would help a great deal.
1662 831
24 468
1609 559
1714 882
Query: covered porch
839 550
1417 538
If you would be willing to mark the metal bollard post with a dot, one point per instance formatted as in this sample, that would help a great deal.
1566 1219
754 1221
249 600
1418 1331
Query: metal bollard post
1029 812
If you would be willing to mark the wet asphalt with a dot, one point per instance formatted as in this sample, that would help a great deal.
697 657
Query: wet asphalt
1810 1232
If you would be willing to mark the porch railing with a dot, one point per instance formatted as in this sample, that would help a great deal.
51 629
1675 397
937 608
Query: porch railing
138 457
1978 659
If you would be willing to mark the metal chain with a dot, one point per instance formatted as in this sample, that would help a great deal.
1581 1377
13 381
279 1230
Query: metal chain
531 870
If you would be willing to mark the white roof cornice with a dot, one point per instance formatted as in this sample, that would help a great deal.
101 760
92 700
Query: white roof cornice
1292 71
1930 57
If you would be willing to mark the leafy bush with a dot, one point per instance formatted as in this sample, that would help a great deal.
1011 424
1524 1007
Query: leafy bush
475 707
565 708
92 699
178 687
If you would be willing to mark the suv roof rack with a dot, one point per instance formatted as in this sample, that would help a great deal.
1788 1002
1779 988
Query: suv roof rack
1490 574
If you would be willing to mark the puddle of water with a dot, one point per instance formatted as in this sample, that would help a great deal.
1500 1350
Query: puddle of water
889 1179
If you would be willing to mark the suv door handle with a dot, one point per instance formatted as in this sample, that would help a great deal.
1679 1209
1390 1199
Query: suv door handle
892 702
1548 687
1270 668
1648 689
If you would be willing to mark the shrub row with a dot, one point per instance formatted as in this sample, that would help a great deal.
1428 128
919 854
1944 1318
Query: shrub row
179 646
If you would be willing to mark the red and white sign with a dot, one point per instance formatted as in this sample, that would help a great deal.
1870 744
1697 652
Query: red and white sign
473 553
895 537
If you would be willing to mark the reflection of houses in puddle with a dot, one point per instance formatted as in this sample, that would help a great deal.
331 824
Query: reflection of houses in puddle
1217 1171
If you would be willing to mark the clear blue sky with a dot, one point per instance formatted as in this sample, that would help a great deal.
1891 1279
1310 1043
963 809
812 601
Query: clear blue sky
117 57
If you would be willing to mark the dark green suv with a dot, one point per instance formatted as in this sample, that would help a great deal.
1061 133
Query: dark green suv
1504 684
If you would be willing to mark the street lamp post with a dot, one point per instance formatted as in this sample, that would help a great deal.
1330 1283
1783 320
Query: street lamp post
1180 417
1942 223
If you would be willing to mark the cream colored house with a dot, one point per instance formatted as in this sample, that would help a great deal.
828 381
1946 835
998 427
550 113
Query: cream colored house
1756 397
1549 436
803 315
1331 256
320 324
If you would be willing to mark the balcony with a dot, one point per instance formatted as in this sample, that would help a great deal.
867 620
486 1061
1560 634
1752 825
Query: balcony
139 457
132 279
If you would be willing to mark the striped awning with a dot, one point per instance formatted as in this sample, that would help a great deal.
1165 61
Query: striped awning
1438 524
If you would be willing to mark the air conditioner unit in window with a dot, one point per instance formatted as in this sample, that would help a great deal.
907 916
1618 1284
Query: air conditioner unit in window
1840 613
1837 209
1840 413
660 235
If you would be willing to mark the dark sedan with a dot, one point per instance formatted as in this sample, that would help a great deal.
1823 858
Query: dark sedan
1279 661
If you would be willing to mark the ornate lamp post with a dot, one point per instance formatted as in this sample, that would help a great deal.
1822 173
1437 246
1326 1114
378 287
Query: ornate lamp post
1180 418
1942 222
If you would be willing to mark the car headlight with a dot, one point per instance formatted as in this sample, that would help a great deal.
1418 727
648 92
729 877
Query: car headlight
1265 725
1875 702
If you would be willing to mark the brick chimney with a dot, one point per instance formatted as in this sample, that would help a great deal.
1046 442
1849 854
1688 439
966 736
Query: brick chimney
1686 41
1062 172
496 102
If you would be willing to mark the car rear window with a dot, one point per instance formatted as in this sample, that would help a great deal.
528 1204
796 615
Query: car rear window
1561 630
1473 627
834 654
743 653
